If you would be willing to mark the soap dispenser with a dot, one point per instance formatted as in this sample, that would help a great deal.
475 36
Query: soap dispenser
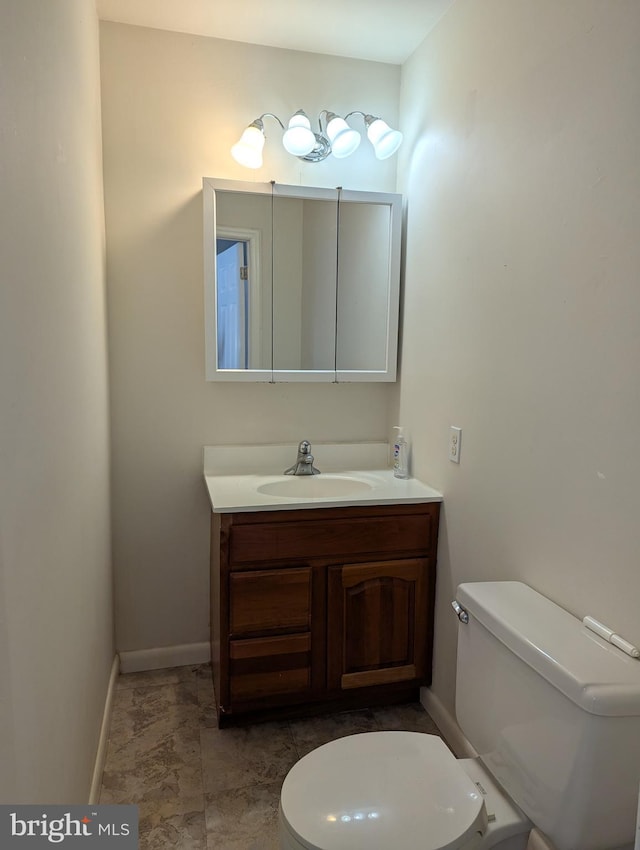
400 454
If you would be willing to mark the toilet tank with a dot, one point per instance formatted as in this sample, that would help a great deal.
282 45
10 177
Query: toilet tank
553 710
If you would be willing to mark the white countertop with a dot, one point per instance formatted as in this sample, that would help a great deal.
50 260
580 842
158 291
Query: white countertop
236 475
230 493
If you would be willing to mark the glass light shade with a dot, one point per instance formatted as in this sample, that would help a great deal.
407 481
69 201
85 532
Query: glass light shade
299 139
385 141
344 140
248 150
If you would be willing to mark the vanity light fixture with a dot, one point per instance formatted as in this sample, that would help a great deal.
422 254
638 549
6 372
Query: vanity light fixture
299 139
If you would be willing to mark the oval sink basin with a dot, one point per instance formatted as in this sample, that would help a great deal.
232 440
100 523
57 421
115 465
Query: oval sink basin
315 487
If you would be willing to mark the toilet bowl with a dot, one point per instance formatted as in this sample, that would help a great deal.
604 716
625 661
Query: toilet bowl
395 791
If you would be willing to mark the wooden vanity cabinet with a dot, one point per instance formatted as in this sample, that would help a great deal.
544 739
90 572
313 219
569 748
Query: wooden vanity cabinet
321 608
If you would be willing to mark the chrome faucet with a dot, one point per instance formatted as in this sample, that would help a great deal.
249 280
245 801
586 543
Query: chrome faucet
304 461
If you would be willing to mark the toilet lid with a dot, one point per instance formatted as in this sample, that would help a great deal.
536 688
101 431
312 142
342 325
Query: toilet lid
382 791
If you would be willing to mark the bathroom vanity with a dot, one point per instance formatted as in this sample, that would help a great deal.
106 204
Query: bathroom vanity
315 607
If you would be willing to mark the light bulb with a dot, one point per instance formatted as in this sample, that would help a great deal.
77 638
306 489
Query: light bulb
385 141
248 150
299 139
344 140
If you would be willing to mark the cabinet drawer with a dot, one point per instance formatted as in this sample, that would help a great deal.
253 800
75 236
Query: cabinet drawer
270 600
258 542
261 667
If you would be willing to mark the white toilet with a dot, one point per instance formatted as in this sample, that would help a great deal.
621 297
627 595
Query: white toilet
552 709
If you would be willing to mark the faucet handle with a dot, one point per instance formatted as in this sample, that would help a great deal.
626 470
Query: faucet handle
304 461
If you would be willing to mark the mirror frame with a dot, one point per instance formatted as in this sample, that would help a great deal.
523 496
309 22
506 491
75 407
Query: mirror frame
209 188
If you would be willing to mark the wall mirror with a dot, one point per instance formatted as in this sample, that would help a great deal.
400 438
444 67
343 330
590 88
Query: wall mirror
301 283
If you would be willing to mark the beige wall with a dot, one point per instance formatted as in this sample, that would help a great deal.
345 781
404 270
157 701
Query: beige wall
522 303
172 107
56 633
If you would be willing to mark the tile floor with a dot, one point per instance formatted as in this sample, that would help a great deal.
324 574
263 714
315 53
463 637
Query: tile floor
203 788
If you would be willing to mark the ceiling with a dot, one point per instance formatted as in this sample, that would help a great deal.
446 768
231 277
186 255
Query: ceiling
379 30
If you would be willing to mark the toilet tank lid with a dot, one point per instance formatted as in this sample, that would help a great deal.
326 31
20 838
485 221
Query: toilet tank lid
585 668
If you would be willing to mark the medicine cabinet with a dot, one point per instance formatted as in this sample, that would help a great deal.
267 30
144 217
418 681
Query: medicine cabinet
301 283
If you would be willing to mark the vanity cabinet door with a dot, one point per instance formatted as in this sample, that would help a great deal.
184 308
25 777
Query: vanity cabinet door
377 623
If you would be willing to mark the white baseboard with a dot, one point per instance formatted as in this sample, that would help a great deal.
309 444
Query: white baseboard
446 723
182 655
103 740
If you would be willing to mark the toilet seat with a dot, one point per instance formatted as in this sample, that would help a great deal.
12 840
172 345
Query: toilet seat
382 791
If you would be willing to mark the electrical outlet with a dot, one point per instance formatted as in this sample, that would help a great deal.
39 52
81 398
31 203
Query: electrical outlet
455 437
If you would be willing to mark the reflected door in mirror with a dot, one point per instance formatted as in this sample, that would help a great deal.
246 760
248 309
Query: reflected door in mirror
243 280
233 304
